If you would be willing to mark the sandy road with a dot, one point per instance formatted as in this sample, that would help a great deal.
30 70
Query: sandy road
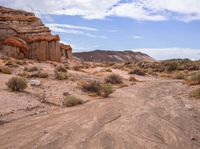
154 114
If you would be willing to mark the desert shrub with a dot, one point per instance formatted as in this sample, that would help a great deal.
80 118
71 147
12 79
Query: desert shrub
5 70
132 79
43 75
61 75
61 69
31 69
180 76
93 86
70 101
108 70
77 68
194 78
114 79
17 84
137 71
172 66
195 93
106 90
20 62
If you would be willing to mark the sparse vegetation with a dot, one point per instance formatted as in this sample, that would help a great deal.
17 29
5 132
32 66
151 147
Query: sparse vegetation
70 101
17 84
132 79
194 78
137 71
5 70
180 76
77 68
61 75
31 69
43 74
108 70
114 79
195 93
61 69
106 90
100 89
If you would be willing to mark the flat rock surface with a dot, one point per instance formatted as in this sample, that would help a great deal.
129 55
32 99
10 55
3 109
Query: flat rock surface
156 113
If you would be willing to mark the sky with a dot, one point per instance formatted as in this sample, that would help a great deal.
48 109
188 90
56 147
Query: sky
164 29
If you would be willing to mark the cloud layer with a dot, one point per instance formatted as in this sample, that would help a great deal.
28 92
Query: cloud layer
152 10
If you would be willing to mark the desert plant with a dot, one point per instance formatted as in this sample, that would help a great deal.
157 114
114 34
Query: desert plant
70 101
108 70
93 86
106 90
180 76
194 78
17 84
43 75
114 79
137 71
61 75
132 79
195 93
61 69
172 66
31 69
77 68
6 70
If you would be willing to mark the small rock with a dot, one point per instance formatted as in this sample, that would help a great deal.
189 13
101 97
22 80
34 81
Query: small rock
35 83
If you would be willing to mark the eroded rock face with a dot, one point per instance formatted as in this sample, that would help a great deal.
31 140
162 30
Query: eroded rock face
23 35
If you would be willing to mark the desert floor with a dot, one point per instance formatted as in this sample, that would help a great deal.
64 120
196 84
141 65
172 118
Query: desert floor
153 113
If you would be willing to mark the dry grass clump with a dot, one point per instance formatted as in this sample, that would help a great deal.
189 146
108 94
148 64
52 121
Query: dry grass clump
114 79
100 89
61 75
137 71
132 79
195 93
108 70
180 76
61 69
17 84
70 101
31 69
77 68
43 74
194 79
5 70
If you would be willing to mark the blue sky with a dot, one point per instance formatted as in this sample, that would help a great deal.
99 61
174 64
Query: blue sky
163 29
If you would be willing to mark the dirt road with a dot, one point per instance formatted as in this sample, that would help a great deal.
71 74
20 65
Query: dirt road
154 114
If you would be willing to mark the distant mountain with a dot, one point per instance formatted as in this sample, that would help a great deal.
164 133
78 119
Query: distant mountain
113 56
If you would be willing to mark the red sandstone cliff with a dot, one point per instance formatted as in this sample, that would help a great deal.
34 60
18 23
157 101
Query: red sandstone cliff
23 35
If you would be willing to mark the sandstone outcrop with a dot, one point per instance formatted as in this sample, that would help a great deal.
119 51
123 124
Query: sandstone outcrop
23 35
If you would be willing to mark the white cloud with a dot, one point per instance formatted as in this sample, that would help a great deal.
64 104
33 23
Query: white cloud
136 37
72 29
152 10
170 53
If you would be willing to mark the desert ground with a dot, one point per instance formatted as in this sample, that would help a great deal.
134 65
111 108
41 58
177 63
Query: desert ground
152 112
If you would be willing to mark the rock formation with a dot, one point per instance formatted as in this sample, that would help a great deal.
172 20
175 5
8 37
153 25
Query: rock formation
113 56
23 35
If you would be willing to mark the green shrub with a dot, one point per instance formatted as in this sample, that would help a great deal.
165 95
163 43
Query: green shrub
137 71
31 69
114 79
6 70
106 90
61 75
70 101
17 84
195 93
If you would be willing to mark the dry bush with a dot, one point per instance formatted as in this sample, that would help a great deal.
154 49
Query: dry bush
43 74
195 93
61 75
5 70
100 89
61 69
17 84
114 79
77 68
194 79
70 101
31 69
180 76
137 71
132 79
106 90
108 70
